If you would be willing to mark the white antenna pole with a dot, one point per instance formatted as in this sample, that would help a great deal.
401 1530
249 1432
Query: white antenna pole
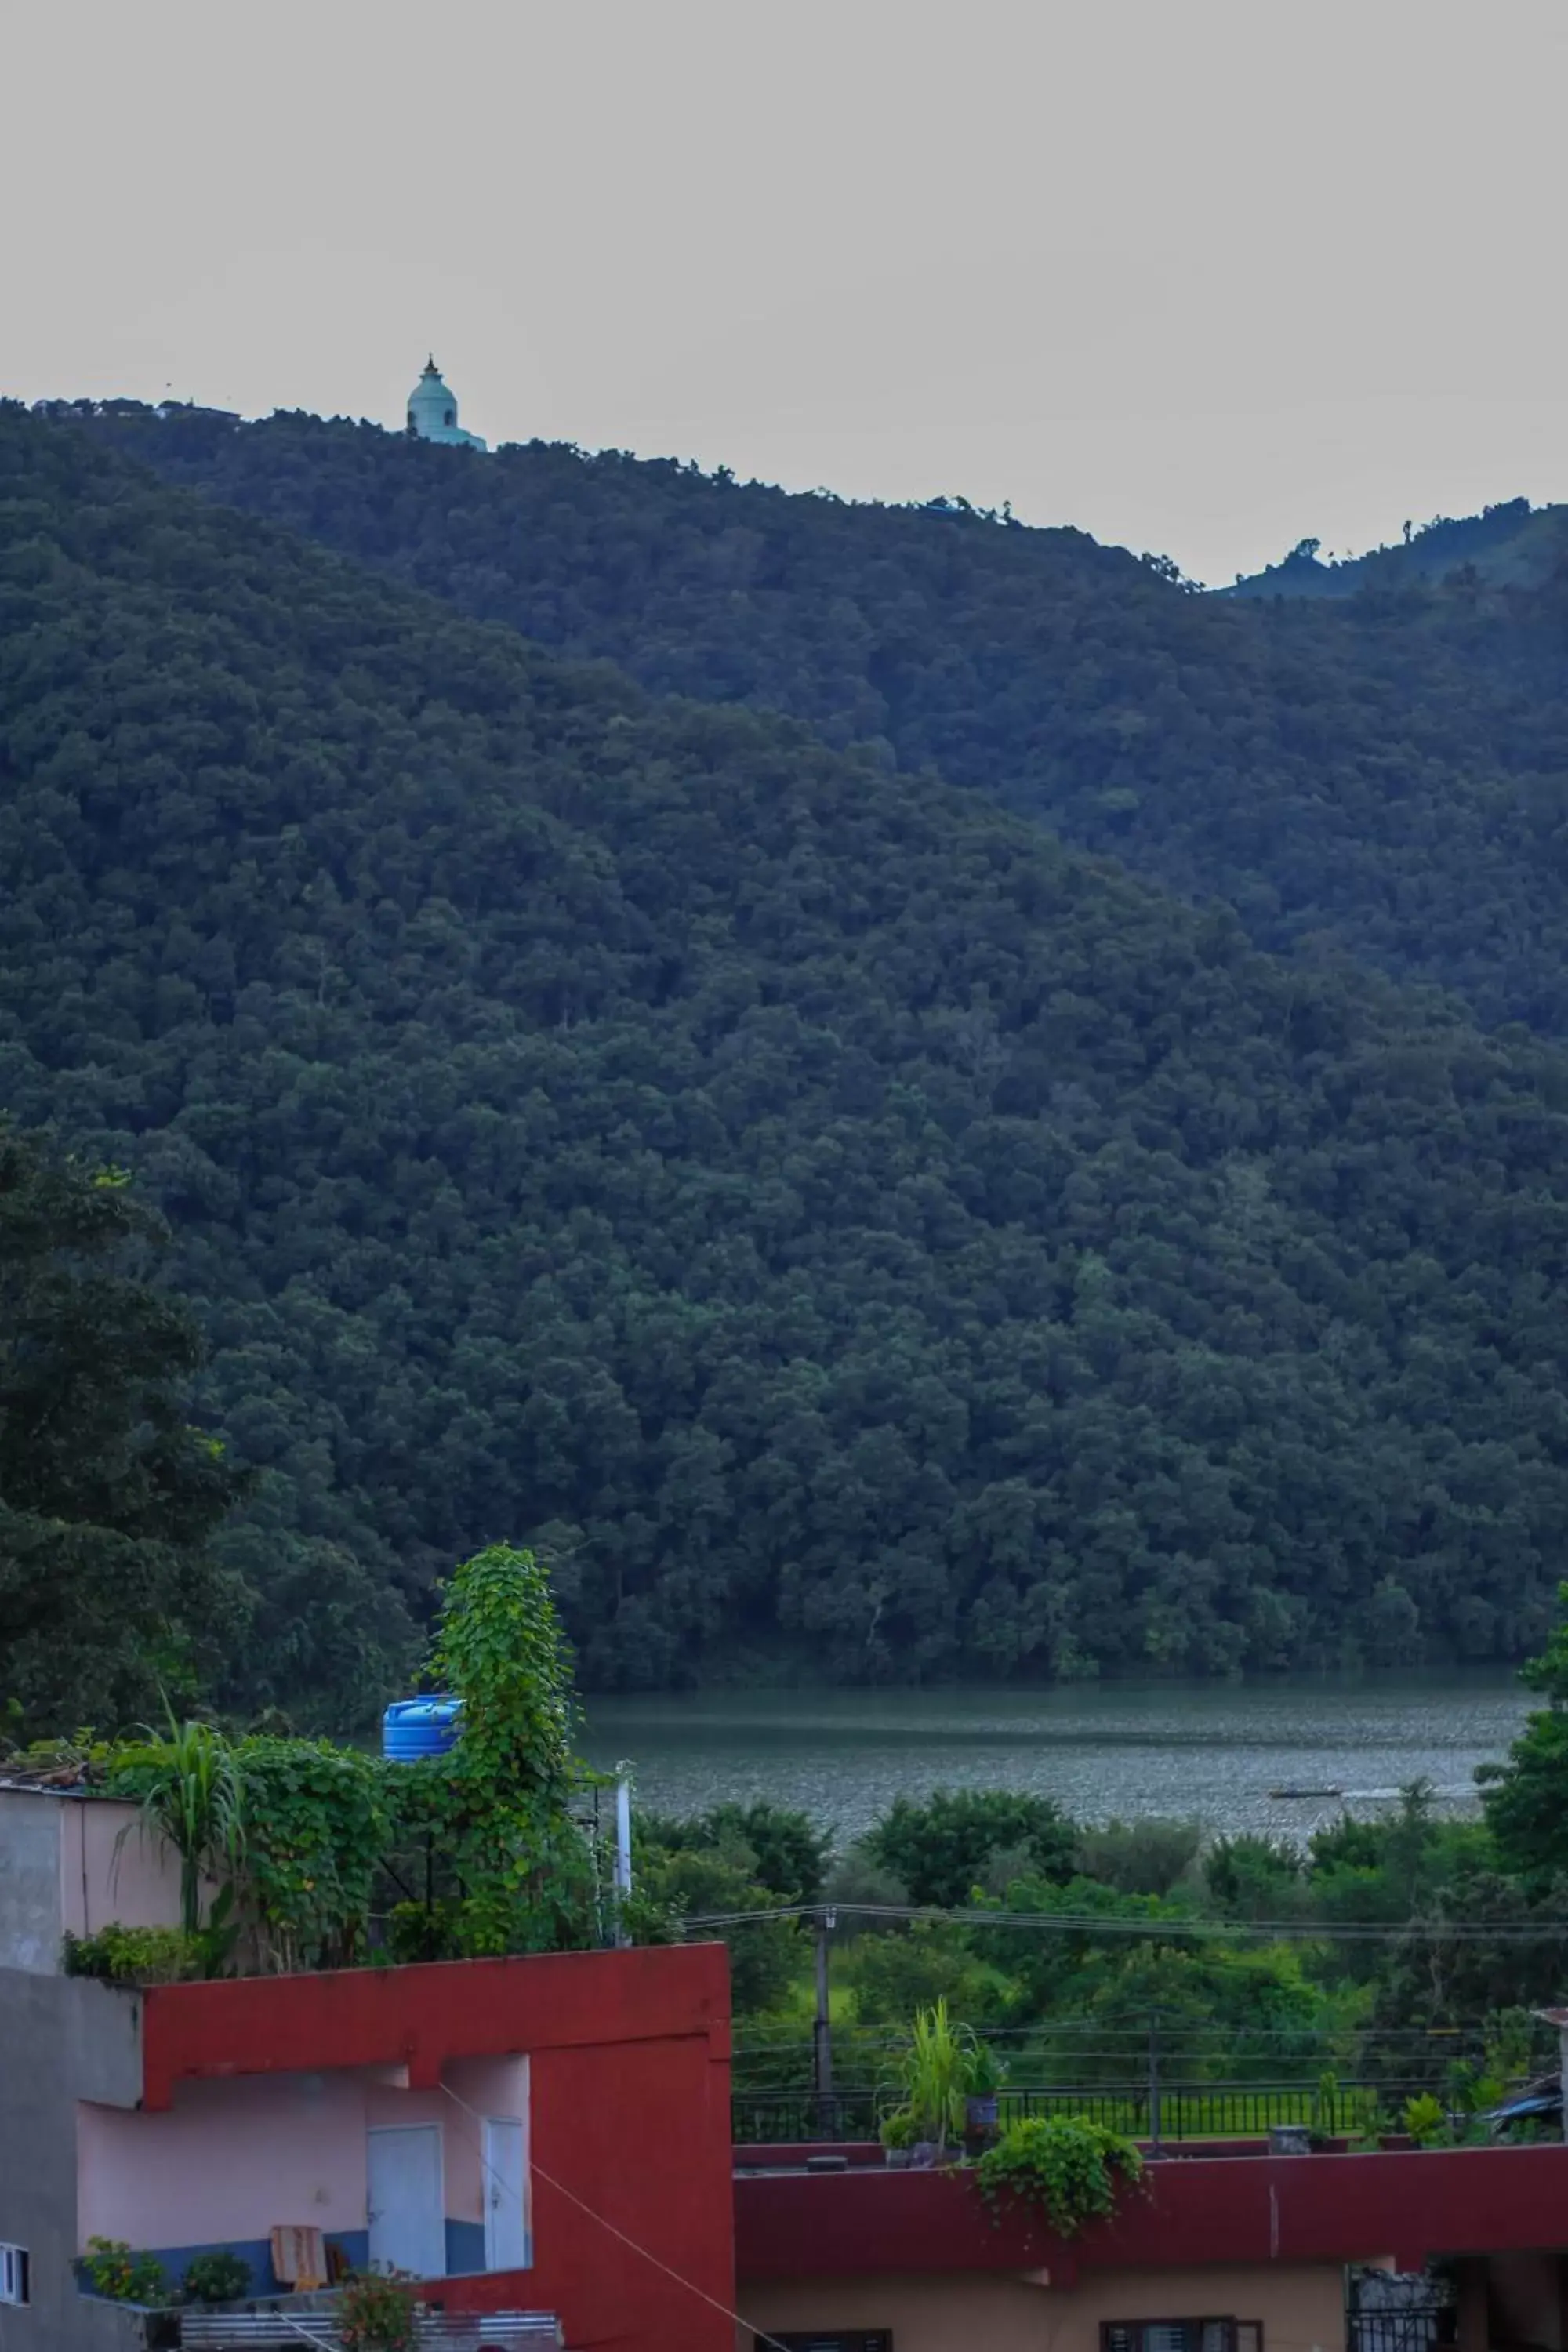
622 1849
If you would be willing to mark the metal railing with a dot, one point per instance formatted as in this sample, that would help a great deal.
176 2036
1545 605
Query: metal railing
275 2329
1175 2111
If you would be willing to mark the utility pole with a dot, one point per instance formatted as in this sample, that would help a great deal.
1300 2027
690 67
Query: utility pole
822 2033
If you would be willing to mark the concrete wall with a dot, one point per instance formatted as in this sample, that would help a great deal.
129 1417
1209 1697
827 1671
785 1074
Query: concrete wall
231 2161
60 2040
1301 2307
30 1920
69 1866
112 1869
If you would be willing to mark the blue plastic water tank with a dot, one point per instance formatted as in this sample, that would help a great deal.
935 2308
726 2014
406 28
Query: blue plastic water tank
413 1727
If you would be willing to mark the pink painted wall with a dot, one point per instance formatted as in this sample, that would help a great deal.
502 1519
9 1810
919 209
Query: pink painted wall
110 1871
233 2161
228 2160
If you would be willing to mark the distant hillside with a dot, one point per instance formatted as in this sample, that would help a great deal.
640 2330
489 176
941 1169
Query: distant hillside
1383 778
1511 545
846 1227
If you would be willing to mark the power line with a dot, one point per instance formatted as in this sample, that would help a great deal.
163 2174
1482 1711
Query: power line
1168 1930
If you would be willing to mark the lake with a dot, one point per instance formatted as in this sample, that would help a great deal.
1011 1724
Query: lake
1209 1751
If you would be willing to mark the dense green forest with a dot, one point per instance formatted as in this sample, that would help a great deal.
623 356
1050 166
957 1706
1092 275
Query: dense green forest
1383 778
110 1499
837 1223
1509 545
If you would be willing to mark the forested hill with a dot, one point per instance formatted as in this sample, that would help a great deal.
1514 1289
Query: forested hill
1509 545
838 1222
1386 778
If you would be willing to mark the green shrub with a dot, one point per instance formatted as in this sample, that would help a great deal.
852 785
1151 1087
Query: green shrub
1069 2166
1425 2119
377 2313
122 2276
217 2278
141 1956
1145 1857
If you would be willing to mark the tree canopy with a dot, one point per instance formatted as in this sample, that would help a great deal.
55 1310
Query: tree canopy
109 1497
1380 777
830 1219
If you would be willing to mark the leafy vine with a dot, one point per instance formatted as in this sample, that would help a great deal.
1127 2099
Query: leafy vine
1066 2165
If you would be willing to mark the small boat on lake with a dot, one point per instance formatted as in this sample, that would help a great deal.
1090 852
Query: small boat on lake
1307 1793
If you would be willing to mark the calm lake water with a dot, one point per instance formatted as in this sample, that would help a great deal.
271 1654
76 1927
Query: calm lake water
1206 1752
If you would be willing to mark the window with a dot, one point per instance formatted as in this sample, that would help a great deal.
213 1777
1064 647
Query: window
1181 2335
451 416
13 2274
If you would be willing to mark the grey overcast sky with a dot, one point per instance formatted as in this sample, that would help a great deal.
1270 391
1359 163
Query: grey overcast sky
1196 275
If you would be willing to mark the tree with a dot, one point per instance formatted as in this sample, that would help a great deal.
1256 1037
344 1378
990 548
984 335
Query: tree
1525 1799
784 1851
941 1849
109 1497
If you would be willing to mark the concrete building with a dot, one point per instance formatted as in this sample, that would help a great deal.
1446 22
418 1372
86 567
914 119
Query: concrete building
547 2134
433 412
553 2135
1233 2251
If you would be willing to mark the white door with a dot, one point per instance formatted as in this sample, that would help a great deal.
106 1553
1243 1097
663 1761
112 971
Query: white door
506 2194
407 2223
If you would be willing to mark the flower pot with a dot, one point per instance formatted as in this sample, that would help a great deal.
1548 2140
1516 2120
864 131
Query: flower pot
980 2129
897 2159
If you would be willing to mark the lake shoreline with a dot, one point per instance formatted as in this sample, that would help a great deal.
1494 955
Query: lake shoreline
1209 1751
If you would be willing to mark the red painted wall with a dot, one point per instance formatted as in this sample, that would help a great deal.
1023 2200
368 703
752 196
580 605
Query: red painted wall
1199 2210
630 2076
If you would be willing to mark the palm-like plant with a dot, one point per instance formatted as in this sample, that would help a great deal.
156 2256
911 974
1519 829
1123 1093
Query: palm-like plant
936 2073
192 1798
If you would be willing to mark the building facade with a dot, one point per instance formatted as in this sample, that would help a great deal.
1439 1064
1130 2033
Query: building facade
1213 2253
547 2134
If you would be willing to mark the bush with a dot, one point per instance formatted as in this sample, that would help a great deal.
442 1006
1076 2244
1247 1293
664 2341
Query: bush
217 2278
377 2313
1249 1876
1146 1857
890 1976
856 1877
940 1849
122 2276
138 1955
1425 2120
1069 2166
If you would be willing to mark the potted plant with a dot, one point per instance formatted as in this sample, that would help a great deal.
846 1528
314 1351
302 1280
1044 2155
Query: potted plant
934 2076
122 2274
898 2137
214 2278
987 2072
1070 2170
1426 2121
377 2312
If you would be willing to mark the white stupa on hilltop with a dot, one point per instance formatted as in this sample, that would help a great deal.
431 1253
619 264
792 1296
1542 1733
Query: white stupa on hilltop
433 412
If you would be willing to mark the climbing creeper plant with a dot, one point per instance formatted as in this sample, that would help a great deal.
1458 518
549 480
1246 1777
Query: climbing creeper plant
496 1807
1065 2166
